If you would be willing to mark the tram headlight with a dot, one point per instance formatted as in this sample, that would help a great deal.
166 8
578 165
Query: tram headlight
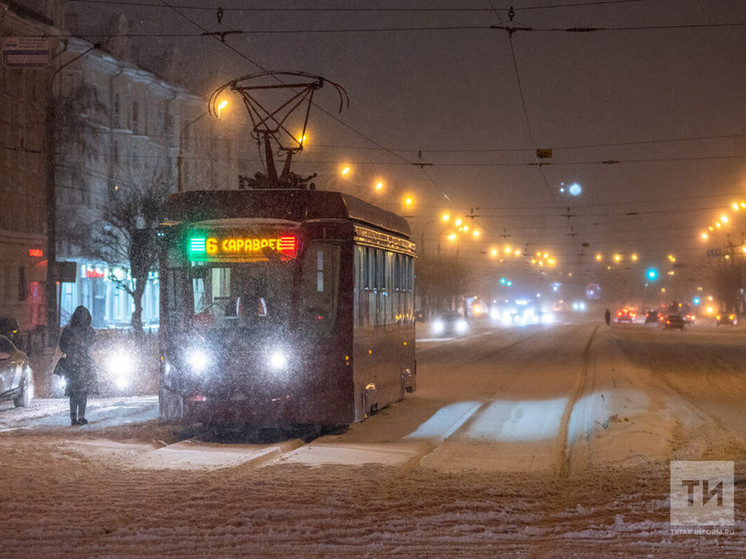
278 360
198 359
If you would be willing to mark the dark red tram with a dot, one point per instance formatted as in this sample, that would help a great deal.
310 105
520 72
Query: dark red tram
283 307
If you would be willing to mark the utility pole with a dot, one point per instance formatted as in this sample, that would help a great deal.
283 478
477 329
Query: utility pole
53 317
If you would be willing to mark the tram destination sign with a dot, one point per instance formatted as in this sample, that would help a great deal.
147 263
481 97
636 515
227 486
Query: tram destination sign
216 247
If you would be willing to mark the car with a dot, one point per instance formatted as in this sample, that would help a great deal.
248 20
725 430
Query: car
123 366
449 324
652 317
625 315
16 380
725 319
674 321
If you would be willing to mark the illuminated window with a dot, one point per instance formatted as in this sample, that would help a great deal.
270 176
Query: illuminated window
319 270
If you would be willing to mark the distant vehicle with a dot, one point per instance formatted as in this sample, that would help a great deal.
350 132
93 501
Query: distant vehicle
652 317
725 319
449 324
674 321
15 374
625 315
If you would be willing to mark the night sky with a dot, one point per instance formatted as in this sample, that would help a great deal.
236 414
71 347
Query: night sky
646 111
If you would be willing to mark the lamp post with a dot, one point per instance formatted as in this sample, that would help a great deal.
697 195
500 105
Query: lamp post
53 315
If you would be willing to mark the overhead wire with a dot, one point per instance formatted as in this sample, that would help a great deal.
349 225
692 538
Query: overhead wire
202 7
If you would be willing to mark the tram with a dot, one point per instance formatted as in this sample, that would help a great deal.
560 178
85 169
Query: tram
283 307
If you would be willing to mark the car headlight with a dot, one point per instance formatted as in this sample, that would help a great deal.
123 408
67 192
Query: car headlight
198 360
438 327
120 364
278 360
461 326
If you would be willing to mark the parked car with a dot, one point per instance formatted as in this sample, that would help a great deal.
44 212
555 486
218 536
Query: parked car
16 381
674 321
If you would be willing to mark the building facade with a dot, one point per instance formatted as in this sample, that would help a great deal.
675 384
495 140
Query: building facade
115 128
23 98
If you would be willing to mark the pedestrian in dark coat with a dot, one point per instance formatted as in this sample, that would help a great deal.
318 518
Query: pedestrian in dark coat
80 374
607 317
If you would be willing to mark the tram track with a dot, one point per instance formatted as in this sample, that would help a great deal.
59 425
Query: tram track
584 383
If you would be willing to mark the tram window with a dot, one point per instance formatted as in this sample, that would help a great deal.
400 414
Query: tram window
380 269
359 267
176 297
244 296
370 268
320 283
397 272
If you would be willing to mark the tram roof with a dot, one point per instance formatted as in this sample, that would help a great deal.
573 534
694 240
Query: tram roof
288 204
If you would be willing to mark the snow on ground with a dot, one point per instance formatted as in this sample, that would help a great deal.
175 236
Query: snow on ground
536 443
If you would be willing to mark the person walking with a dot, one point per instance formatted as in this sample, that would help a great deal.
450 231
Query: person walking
80 373
607 317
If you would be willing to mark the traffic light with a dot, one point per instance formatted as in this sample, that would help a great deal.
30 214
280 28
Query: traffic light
651 274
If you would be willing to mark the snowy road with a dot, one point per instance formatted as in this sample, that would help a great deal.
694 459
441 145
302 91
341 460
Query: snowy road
535 442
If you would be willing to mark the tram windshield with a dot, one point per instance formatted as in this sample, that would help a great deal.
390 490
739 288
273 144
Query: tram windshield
261 296
256 296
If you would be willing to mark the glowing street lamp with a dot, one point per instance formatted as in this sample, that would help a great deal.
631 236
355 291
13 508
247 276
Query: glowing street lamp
223 104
